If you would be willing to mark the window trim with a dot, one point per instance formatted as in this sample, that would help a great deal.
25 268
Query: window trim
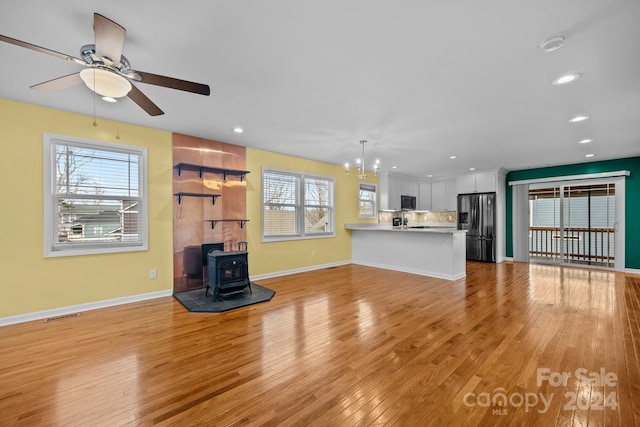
374 214
300 207
51 249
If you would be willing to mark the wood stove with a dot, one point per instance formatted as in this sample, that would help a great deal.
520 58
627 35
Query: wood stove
228 273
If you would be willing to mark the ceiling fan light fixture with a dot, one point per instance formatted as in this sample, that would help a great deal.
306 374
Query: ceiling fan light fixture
105 83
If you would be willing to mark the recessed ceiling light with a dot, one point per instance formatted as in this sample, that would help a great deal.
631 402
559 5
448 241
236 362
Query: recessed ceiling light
577 119
472 169
552 43
452 157
429 176
586 141
394 167
108 99
589 155
567 78
238 129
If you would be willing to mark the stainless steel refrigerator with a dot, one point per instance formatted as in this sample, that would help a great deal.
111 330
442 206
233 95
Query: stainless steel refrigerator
477 215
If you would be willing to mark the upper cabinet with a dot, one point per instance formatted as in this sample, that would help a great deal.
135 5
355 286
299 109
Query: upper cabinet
477 183
408 187
424 196
444 195
393 193
392 187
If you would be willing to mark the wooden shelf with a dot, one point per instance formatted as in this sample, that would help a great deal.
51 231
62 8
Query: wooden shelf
213 222
201 169
182 194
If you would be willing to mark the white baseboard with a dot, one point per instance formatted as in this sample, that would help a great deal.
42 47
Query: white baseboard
63 311
632 270
298 270
412 271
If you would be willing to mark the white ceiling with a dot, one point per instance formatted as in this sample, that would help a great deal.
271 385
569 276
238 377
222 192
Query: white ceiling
420 80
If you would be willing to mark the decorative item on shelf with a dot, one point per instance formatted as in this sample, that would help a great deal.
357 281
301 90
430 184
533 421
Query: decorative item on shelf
360 171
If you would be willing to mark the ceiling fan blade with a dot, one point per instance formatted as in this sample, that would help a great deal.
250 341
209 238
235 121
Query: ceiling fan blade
109 38
143 102
59 83
170 82
41 49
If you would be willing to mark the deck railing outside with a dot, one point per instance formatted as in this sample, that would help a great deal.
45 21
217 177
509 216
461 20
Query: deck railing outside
582 245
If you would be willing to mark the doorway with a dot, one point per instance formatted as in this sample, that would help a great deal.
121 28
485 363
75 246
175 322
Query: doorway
575 223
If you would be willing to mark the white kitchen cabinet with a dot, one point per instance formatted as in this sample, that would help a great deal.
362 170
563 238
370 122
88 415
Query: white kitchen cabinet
476 183
394 192
466 184
451 196
438 195
444 195
486 183
393 186
408 187
424 196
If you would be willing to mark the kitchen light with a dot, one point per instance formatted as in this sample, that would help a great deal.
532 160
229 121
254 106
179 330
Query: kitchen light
472 169
429 176
360 171
589 155
452 157
108 99
586 141
238 129
577 119
567 78
105 83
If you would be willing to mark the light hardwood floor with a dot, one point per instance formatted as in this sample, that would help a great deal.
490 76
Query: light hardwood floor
350 345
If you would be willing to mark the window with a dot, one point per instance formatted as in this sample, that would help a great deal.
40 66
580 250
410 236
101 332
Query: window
367 200
296 206
94 197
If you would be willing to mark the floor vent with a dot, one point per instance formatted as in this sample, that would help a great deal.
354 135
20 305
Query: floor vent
65 316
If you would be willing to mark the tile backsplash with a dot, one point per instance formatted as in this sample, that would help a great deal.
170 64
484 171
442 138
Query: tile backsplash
419 217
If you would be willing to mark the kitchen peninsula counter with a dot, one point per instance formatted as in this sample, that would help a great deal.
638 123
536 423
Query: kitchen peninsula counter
428 250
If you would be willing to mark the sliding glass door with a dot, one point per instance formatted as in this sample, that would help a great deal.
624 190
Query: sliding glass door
573 223
544 224
589 224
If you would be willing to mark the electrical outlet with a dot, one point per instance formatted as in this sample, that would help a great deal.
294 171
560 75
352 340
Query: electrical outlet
153 274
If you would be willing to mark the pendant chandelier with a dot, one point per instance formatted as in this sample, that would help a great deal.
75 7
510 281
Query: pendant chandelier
360 162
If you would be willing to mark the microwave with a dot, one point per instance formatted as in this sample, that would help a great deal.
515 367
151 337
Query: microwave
408 202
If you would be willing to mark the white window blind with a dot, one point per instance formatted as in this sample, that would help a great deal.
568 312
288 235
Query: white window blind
94 197
296 205
367 200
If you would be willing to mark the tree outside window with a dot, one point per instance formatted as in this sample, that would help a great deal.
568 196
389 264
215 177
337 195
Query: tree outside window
296 205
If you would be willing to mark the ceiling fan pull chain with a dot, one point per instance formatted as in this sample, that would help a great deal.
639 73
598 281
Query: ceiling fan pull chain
94 102
117 115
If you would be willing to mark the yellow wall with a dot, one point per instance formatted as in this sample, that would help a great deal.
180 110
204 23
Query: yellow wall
272 257
31 283
28 281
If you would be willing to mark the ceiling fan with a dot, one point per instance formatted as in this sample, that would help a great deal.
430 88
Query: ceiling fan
108 72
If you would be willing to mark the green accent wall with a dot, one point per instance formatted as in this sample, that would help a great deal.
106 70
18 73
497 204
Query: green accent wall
632 198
